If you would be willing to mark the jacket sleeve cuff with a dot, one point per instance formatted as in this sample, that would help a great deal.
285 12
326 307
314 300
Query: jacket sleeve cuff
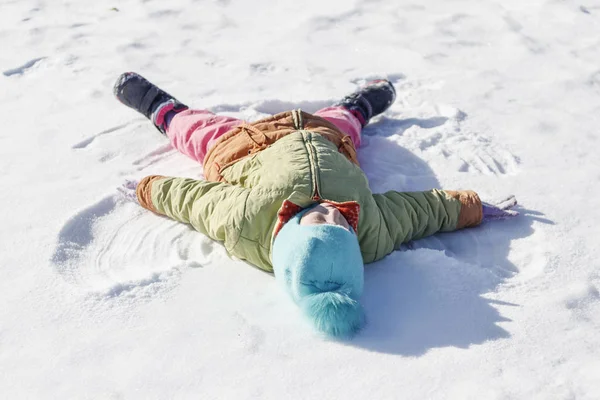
471 211
144 192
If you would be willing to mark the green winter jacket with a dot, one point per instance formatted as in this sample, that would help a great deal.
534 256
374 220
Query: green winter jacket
302 167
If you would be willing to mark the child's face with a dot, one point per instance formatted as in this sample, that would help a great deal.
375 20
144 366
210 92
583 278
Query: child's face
324 214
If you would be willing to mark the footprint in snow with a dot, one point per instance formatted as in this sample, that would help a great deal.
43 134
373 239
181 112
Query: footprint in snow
23 68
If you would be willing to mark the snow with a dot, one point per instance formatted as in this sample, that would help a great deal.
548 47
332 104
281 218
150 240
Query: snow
103 300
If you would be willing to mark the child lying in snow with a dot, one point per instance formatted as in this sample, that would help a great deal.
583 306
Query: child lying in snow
286 193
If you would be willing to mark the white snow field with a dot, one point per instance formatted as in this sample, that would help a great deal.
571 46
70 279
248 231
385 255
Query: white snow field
100 299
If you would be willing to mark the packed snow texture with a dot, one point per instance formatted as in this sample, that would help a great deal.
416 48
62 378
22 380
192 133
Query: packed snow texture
104 300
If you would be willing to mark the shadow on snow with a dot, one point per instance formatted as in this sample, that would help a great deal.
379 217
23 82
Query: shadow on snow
431 293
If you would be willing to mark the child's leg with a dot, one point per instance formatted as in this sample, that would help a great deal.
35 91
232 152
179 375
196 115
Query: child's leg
194 132
355 111
344 120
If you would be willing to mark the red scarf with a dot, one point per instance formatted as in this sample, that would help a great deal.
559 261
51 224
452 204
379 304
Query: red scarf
349 209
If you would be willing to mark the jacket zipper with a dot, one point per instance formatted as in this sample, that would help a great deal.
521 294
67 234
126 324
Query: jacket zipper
313 166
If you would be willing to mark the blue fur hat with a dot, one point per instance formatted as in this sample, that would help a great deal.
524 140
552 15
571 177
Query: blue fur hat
322 268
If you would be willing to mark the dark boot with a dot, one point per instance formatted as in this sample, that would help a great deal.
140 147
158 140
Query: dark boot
370 100
138 93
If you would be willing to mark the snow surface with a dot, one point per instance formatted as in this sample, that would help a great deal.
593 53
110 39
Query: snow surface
102 300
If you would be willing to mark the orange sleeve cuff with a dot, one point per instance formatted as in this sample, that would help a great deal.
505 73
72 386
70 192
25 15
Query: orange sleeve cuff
471 211
144 192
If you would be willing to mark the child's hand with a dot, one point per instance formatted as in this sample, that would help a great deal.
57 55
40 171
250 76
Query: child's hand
127 190
500 210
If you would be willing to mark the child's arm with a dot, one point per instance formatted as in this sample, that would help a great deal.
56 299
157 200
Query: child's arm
413 215
210 207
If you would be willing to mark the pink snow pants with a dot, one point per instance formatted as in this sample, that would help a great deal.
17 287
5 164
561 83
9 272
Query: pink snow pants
194 132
